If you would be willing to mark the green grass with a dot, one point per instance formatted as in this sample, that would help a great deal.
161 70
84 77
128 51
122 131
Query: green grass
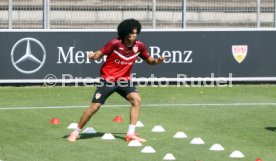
27 135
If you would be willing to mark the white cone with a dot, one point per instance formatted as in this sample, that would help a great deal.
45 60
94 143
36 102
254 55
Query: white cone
134 143
180 135
73 126
216 147
158 128
169 156
236 154
89 130
108 136
148 149
197 141
139 124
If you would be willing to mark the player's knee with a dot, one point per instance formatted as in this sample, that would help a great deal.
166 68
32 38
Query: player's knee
136 101
95 107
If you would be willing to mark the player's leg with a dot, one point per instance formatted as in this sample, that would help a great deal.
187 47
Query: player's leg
134 98
88 113
99 98
135 101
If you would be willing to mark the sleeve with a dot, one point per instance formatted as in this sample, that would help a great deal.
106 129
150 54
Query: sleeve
144 52
108 48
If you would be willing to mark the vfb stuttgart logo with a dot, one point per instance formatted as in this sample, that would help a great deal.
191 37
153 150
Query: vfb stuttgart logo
239 52
28 55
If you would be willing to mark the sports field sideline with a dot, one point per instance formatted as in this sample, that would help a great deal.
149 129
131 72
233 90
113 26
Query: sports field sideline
242 117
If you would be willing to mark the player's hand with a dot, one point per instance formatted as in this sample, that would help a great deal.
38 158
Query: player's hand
91 55
160 60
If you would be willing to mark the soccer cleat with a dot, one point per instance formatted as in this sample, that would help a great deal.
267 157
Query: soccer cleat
130 137
73 136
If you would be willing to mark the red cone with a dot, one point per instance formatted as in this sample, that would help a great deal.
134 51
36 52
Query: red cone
258 159
118 119
55 121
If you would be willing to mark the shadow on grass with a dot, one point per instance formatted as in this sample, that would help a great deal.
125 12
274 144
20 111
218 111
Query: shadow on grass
98 134
273 129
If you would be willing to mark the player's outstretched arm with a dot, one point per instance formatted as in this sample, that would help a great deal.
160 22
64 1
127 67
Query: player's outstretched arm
95 55
153 61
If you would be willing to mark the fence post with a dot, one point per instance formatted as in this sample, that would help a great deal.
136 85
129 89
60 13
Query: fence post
46 14
184 13
274 18
10 14
154 14
258 13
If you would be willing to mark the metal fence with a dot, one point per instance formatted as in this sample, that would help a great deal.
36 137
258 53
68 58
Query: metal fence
95 14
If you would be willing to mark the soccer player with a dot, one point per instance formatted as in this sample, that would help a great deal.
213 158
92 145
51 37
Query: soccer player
121 54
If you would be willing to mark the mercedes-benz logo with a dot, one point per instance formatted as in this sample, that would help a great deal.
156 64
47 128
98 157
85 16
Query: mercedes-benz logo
28 56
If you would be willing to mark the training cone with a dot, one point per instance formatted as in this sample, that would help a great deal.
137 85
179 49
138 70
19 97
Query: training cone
158 128
148 149
55 121
139 124
236 154
134 143
216 147
118 119
108 136
169 156
180 135
89 130
197 141
258 159
72 126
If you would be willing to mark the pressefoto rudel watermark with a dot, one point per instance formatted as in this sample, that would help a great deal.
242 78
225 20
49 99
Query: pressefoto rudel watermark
181 80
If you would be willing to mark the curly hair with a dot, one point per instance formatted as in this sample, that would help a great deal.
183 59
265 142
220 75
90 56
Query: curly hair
126 27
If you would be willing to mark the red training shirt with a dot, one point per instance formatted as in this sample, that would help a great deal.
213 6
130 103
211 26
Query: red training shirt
120 59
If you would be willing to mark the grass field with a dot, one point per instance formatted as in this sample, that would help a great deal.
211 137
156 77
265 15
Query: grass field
242 117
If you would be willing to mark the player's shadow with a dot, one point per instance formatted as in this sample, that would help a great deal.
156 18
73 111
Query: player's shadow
98 134
273 129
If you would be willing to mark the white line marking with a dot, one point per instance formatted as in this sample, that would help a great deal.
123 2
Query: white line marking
145 105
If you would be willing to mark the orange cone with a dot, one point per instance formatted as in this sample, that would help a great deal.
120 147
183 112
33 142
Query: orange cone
118 119
55 121
258 159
